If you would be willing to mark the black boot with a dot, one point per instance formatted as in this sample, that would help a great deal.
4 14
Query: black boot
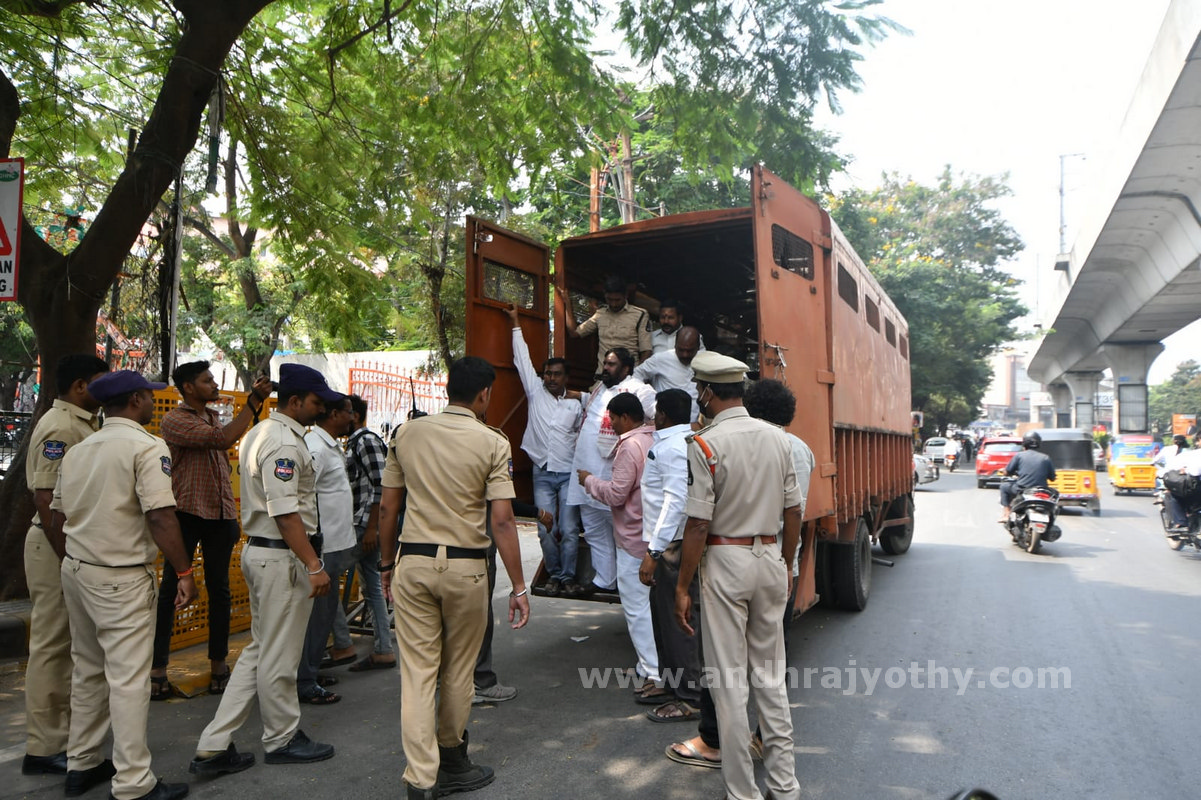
458 774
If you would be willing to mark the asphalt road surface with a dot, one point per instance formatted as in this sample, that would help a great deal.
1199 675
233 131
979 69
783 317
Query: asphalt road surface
1071 673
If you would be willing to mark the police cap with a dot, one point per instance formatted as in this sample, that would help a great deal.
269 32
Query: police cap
711 367
115 384
299 378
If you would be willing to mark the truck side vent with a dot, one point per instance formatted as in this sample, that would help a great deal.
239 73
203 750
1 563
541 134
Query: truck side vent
791 252
873 312
848 288
890 332
904 347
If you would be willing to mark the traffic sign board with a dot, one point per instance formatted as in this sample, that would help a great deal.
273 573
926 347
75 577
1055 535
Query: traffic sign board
12 183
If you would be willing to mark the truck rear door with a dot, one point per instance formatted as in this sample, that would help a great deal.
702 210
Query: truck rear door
792 276
504 267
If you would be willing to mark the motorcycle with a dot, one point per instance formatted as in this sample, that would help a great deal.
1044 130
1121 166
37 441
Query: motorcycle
949 459
1179 536
1031 519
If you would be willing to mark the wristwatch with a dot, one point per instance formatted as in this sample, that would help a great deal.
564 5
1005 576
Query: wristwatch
655 554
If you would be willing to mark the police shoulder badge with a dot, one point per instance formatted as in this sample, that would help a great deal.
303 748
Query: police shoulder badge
285 468
166 464
53 450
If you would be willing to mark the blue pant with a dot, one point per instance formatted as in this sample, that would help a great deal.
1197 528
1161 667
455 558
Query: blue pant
550 494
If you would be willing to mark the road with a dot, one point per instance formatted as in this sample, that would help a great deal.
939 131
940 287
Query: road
1105 618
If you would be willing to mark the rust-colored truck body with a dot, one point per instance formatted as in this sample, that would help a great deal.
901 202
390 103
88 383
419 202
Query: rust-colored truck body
775 285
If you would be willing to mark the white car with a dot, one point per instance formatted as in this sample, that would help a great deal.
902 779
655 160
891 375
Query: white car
934 448
924 470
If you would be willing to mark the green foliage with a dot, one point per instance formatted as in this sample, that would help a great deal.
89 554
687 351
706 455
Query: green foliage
1179 394
936 251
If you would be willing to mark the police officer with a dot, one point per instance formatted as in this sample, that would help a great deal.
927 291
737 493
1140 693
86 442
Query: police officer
69 421
741 477
283 572
454 470
113 504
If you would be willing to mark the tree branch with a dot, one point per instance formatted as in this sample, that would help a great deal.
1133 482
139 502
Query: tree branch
333 51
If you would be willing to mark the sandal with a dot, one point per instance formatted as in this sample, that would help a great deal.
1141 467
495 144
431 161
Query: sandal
693 758
320 697
655 696
218 681
161 688
675 711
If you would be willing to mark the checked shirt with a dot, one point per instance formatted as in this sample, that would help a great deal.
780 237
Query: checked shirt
365 457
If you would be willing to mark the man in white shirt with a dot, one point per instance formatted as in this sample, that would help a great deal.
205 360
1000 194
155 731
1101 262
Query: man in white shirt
671 369
664 493
335 521
555 414
671 317
594 451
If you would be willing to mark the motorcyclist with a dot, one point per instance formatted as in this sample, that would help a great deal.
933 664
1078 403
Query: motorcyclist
1189 462
1169 454
1031 467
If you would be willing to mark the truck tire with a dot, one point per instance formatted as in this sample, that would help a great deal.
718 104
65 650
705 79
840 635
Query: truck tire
851 570
896 541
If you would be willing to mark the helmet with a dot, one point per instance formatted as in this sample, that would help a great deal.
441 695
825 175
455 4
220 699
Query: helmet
1032 441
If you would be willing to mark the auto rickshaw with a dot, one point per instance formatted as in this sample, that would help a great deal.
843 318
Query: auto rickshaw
1130 467
1071 451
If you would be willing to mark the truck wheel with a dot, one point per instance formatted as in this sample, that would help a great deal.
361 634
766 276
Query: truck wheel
851 570
896 541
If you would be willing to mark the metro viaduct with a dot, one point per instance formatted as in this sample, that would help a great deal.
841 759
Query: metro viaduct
1133 277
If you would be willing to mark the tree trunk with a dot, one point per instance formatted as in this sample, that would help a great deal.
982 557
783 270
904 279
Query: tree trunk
61 294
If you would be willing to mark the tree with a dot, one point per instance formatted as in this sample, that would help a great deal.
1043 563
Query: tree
936 250
62 296
1179 394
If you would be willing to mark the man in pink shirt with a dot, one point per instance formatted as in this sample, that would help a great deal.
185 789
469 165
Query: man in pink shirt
623 494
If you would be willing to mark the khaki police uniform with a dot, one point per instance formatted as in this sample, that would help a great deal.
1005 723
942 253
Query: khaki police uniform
277 479
48 676
440 583
108 483
626 328
744 591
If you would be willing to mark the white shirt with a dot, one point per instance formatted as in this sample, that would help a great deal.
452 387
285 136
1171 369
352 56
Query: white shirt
554 422
588 455
665 488
1190 462
803 461
1171 457
335 499
665 371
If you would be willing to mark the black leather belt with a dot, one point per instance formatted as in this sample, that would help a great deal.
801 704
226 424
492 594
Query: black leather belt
274 544
431 550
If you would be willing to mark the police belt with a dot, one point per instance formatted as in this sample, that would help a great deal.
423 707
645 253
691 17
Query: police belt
431 550
745 541
273 544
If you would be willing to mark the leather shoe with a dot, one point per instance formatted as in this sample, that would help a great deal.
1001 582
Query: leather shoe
45 765
301 750
163 791
223 763
81 780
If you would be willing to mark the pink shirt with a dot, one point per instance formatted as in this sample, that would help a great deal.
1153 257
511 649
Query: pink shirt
623 492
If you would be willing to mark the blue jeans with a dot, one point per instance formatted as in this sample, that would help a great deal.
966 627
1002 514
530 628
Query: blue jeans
321 621
373 593
550 494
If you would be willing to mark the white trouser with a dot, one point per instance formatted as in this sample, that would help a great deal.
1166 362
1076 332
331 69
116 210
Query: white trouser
598 533
636 603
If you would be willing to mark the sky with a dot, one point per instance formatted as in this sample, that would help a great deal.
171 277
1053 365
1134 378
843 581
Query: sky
993 88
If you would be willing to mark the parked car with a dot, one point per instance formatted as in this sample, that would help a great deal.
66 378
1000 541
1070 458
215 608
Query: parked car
993 457
1098 456
924 470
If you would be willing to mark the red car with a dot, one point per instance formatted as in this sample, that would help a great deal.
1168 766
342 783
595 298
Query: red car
993 458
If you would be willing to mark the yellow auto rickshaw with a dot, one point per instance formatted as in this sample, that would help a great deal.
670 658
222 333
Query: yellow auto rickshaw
1071 451
1130 467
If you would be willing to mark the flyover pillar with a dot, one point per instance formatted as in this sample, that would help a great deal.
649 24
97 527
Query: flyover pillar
1061 395
1130 363
1084 390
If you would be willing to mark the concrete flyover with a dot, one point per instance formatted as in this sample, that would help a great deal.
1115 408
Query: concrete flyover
1133 276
